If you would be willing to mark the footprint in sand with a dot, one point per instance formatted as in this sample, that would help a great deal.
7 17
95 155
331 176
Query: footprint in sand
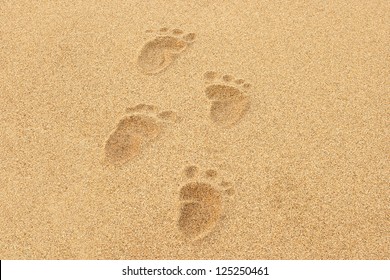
201 203
142 125
157 54
228 96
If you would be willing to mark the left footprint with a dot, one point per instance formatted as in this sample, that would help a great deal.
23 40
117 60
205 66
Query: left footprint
143 125
157 54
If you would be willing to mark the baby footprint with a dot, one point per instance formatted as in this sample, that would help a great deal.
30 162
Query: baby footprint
157 54
229 100
142 125
201 204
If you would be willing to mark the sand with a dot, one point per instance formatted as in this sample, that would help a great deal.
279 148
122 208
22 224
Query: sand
194 129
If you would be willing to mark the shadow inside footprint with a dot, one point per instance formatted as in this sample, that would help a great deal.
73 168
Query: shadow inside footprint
144 125
200 211
228 104
159 53
126 141
120 147
227 113
223 92
195 218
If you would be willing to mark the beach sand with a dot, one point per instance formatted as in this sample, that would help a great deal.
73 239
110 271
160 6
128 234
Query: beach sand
194 129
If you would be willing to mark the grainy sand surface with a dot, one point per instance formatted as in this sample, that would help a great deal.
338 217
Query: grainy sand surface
194 129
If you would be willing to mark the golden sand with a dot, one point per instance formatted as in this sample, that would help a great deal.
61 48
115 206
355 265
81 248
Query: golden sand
194 129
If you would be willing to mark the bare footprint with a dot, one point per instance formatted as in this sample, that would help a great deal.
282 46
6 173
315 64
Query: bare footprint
157 54
201 204
143 125
229 101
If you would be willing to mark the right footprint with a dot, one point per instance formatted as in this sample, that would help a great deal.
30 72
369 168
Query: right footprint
142 125
201 204
157 54
228 96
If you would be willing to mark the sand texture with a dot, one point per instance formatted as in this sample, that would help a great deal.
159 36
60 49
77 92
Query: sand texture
200 129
